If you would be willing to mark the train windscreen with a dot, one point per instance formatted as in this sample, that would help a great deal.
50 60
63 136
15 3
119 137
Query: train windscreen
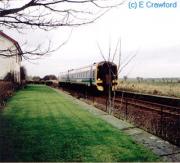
107 69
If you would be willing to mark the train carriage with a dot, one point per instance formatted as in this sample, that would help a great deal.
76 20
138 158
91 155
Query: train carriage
101 75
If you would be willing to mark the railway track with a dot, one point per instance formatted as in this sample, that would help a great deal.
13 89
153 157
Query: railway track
150 106
163 100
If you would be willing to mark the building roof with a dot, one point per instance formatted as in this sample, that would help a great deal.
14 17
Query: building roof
13 41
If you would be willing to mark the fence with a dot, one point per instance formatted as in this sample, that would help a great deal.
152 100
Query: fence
160 119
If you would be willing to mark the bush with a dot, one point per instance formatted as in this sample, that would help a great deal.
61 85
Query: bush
23 73
9 77
6 90
36 78
155 92
50 77
49 83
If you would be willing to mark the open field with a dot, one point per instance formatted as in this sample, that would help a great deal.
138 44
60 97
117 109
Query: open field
40 124
151 86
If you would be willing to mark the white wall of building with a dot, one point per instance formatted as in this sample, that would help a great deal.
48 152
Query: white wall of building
9 64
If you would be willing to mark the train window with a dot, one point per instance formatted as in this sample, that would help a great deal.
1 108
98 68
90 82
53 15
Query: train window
93 75
88 74
100 72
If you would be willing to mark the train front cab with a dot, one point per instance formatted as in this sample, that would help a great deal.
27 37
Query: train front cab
106 76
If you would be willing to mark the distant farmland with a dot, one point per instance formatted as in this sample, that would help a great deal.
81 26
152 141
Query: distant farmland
156 86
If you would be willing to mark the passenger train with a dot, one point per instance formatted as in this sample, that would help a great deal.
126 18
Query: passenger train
100 75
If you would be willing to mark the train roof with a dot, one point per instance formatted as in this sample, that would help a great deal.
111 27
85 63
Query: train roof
106 62
84 67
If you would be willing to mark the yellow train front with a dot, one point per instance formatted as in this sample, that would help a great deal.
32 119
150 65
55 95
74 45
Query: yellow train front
106 76
102 76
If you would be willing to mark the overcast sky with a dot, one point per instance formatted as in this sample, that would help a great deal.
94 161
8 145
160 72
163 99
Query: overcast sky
151 33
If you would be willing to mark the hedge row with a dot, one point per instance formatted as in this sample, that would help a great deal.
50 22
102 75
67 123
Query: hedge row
48 82
6 90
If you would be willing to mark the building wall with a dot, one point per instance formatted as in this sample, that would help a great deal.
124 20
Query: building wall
9 64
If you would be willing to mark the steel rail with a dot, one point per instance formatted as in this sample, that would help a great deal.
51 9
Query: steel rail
152 106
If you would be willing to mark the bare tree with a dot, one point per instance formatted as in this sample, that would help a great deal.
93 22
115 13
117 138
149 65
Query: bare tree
120 66
23 73
50 14
125 78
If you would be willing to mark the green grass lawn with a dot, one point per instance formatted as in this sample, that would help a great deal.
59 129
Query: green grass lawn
40 124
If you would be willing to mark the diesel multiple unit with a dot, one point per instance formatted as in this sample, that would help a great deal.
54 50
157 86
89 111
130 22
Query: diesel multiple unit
100 75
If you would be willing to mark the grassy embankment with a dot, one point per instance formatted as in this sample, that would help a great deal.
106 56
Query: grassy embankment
171 89
40 124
